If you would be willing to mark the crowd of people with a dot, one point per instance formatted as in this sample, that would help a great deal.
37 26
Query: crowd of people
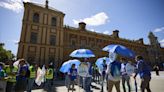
119 70
23 76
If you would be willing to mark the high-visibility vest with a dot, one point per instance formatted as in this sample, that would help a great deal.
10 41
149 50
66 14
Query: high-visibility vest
49 73
32 72
9 70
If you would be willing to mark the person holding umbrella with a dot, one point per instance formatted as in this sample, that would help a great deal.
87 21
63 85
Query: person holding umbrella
73 76
114 72
84 69
87 75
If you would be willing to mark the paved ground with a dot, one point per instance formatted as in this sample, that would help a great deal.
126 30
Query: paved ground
157 85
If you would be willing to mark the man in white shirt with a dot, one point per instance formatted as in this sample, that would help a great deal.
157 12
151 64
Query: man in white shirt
125 76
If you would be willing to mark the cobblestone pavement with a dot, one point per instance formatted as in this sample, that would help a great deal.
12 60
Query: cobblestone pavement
157 85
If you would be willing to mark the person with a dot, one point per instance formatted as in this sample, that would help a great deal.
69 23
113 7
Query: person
104 70
88 79
49 78
73 76
156 68
11 72
33 69
97 75
85 73
143 70
2 78
21 77
125 76
114 73
103 73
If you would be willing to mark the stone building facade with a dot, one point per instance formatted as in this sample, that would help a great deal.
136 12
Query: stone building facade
45 39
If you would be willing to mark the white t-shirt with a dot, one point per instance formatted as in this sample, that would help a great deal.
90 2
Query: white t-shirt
83 69
129 69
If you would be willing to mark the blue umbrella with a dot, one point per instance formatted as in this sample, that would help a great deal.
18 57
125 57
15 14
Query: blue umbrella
99 62
82 53
67 65
119 49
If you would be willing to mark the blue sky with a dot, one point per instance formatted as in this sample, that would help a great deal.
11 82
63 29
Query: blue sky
133 18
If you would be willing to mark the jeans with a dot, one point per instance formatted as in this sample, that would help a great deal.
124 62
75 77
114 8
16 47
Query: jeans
67 81
145 84
30 84
2 86
10 86
126 78
81 81
87 84
48 86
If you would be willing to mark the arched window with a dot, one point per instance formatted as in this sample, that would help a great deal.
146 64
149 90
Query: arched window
36 17
53 21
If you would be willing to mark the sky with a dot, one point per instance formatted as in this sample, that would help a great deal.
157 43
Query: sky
133 18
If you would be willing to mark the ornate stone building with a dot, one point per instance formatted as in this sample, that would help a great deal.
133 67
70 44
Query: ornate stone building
45 39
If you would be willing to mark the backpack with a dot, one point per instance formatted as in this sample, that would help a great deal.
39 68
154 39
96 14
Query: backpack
146 68
115 69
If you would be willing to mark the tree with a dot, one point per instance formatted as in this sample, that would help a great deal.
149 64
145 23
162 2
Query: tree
5 54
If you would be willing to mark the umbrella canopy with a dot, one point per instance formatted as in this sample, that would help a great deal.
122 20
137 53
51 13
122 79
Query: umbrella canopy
119 49
99 61
82 53
67 65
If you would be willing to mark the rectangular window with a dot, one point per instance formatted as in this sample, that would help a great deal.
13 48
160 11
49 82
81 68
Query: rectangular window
33 37
73 43
53 21
53 40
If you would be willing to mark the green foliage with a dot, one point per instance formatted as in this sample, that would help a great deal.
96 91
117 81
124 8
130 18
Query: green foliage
5 54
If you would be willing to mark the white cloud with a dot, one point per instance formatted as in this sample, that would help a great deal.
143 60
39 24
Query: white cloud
92 30
26 0
159 29
13 41
162 43
14 5
95 20
106 32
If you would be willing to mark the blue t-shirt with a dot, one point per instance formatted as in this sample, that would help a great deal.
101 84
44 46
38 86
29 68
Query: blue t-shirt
73 74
